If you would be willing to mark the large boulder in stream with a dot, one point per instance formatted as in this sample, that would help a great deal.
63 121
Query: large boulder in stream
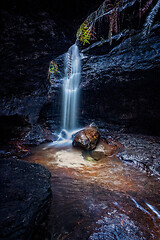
25 196
87 138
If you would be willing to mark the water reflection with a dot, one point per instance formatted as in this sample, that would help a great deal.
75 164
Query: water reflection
96 196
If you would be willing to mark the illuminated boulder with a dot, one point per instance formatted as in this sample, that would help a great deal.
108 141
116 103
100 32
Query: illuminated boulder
87 138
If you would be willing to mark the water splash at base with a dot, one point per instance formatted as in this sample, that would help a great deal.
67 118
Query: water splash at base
64 139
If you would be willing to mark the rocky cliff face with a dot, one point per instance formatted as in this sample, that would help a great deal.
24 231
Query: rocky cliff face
119 88
120 81
119 85
122 86
32 34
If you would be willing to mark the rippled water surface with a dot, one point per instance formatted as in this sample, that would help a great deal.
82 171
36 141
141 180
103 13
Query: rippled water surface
104 199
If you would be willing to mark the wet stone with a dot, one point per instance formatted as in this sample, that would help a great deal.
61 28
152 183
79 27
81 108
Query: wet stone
87 138
101 151
97 155
25 197
87 156
93 155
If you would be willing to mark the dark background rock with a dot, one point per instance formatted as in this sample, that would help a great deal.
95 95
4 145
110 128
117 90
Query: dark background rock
32 34
119 85
120 91
11 126
25 198
122 87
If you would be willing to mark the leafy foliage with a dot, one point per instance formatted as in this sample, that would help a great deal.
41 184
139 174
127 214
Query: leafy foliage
53 68
84 33
113 13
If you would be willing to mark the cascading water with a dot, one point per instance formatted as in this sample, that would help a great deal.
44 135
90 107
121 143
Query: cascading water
70 95
71 88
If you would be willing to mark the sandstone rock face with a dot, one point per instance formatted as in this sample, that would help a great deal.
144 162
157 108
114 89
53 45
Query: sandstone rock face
87 138
25 196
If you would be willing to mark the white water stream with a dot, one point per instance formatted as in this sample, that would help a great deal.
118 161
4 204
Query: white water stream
70 97
71 88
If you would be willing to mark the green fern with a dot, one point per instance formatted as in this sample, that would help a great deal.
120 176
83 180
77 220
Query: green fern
84 33
53 68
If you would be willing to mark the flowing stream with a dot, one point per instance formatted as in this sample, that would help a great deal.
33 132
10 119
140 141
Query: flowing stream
95 195
96 200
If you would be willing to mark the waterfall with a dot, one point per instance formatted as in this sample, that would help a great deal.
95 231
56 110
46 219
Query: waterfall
71 88
70 97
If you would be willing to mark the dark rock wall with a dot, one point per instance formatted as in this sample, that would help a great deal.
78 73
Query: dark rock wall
28 43
25 198
32 34
119 84
122 87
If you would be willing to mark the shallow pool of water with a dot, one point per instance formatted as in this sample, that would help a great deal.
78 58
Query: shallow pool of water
104 199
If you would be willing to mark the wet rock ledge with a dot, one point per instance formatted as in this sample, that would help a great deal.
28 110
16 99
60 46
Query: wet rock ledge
25 197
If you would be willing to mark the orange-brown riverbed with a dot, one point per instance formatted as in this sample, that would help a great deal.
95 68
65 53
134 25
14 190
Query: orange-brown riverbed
104 199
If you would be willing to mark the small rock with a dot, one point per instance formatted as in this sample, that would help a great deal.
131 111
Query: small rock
101 152
87 138
97 155
87 156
